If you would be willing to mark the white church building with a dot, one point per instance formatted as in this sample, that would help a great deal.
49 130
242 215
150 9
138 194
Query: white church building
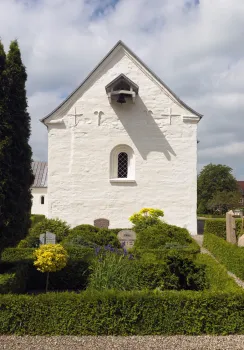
120 142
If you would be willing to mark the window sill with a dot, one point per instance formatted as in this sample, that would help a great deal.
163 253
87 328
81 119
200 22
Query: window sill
122 180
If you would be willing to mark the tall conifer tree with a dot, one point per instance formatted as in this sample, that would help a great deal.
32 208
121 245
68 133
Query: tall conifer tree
5 155
18 197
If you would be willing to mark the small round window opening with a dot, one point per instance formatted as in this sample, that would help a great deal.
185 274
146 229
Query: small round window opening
122 165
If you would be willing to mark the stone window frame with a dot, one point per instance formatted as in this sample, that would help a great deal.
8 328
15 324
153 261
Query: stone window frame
114 164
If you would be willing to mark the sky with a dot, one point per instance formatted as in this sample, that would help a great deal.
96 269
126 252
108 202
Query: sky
195 46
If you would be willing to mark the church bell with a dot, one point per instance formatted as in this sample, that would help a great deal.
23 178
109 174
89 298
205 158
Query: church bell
121 98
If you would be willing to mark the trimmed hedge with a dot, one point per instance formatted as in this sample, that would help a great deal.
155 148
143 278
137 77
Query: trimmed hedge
73 276
218 227
226 253
123 313
216 275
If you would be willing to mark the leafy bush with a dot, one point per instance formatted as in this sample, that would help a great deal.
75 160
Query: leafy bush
146 217
85 237
160 235
123 313
218 227
73 276
216 275
226 253
14 281
35 218
113 269
60 228
7 282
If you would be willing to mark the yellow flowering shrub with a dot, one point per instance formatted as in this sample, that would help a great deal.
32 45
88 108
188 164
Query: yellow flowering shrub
147 214
50 258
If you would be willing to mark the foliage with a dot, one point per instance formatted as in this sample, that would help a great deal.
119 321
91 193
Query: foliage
116 269
73 276
226 253
35 218
50 258
224 201
123 313
218 227
212 179
60 228
14 281
113 269
16 175
83 236
146 217
216 275
160 235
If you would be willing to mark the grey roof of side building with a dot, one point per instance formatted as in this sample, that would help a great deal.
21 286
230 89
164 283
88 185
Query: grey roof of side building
40 170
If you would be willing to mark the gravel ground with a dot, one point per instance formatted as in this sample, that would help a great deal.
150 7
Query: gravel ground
235 342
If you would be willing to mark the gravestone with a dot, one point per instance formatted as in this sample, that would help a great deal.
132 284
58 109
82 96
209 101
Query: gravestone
101 223
230 227
127 237
241 241
48 238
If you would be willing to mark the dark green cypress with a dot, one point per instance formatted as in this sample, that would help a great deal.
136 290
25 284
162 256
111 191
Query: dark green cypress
5 153
17 205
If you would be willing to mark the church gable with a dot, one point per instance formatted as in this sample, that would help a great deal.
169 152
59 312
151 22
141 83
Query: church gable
118 77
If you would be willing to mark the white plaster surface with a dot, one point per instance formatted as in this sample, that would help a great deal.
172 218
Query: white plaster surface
164 145
37 207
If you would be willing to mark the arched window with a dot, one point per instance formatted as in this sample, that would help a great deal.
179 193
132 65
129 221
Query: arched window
42 199
122 164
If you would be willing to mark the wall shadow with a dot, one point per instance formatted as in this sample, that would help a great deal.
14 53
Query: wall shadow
142 128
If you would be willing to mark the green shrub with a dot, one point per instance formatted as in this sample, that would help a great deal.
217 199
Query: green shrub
35 218
216 275
218 227
123 313
113 269
84 237
85 227
226 253
7 281
73 276
60 228
14 281
162 235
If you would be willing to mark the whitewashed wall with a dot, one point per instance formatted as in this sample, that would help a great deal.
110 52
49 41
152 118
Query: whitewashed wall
37 207
165 149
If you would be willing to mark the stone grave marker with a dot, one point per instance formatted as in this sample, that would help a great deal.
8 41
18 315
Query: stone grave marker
101 223
48 238
241 241
230 227
127 237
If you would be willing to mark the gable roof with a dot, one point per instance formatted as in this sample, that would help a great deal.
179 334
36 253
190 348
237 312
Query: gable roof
121 44
40 174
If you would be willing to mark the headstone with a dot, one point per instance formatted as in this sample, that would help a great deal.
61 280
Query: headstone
241 241
127 237
48 238
230 227
101 223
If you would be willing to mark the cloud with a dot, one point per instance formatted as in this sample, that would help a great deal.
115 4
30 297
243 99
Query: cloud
194 46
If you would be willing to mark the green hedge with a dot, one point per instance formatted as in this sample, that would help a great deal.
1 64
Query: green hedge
226 253
216 275
14 281
73 276
218 227
124 313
